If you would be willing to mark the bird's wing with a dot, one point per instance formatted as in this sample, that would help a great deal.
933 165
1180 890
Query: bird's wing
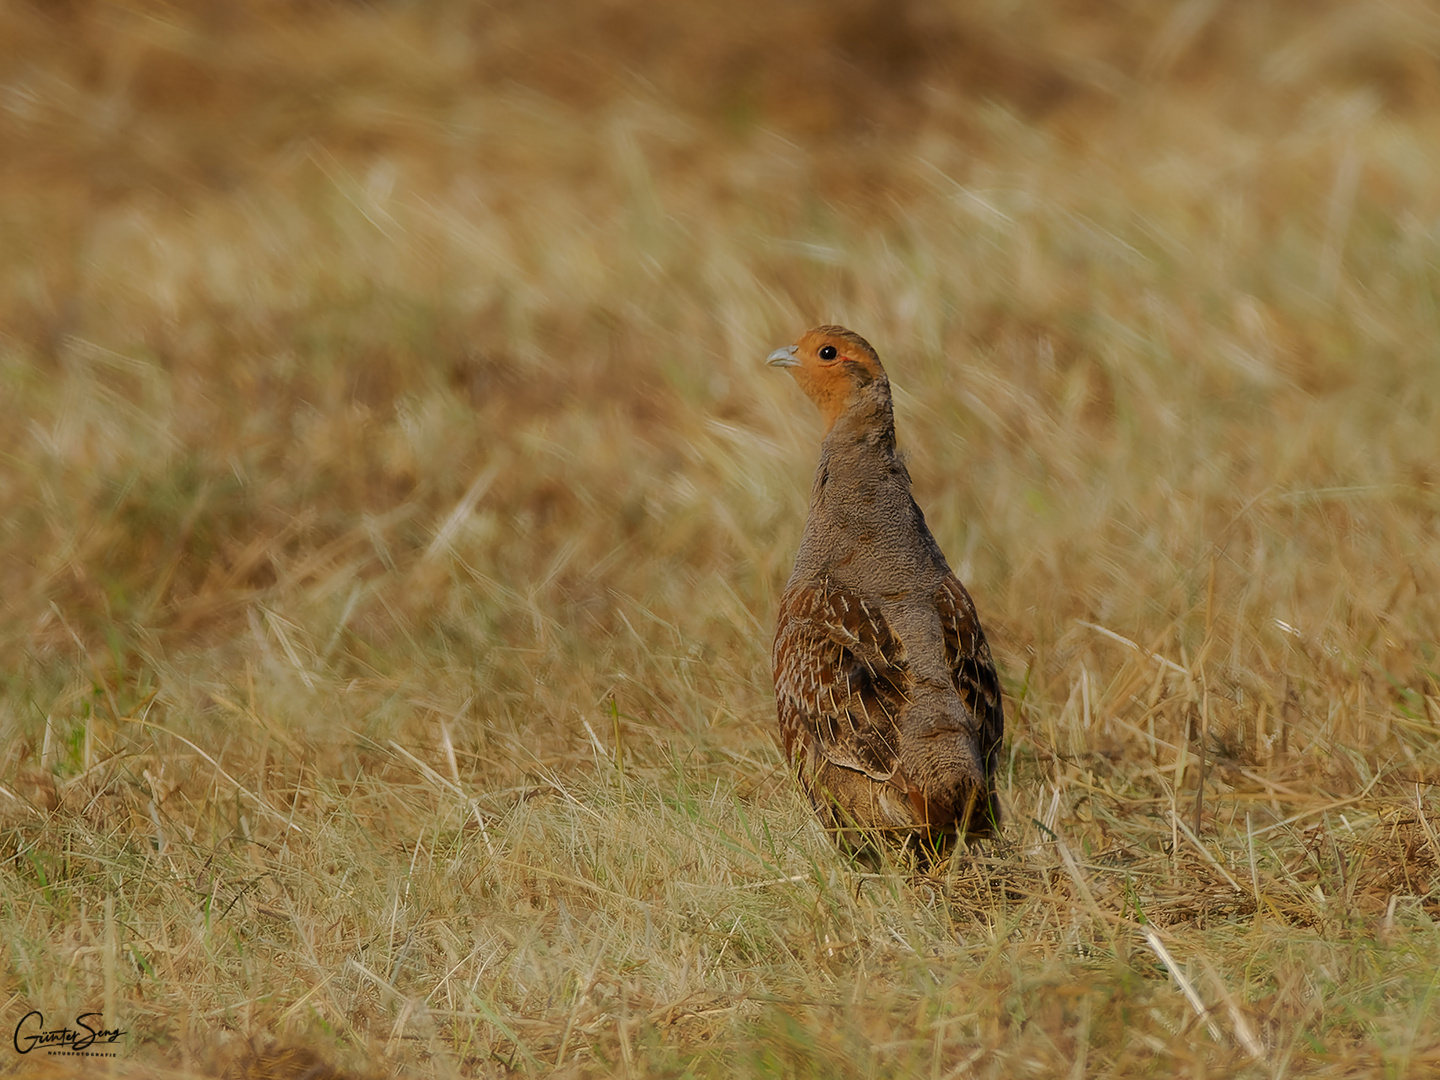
840 679
967 655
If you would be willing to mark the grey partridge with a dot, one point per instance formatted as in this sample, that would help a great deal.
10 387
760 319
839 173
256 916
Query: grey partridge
887 696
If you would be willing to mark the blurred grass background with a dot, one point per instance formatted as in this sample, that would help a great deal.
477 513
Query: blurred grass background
394 504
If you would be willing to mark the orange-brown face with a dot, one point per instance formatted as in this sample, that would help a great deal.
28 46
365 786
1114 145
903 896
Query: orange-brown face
832 365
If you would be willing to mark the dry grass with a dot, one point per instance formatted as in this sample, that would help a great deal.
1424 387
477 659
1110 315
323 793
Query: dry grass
393 507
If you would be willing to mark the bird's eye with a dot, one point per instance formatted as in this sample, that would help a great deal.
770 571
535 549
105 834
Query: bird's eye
828 352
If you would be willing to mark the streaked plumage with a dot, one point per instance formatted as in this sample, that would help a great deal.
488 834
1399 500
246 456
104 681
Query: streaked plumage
886 693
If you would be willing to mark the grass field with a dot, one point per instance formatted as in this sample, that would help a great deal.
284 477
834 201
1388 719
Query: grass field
394 506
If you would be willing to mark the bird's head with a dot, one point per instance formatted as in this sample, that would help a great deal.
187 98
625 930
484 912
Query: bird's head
837 369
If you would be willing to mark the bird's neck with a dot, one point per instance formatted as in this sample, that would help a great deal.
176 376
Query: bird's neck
865 530
860 446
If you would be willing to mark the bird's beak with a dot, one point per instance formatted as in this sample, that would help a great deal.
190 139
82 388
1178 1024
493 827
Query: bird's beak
784 357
